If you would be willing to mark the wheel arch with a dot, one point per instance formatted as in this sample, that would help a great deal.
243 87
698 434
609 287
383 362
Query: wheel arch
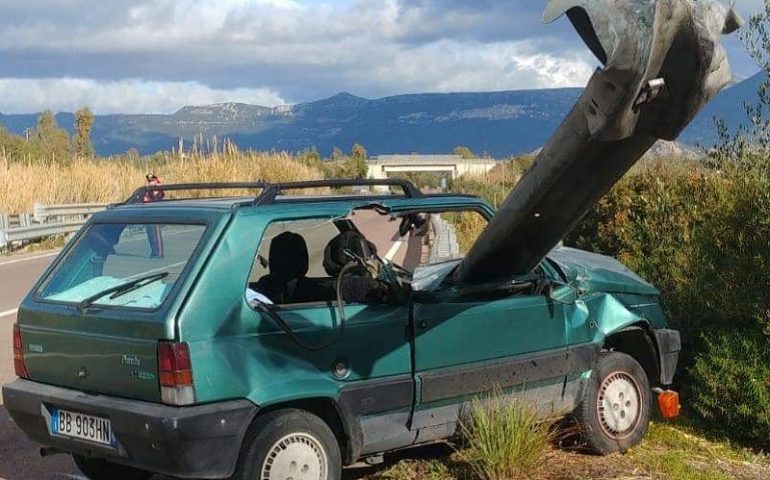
345 428
637 341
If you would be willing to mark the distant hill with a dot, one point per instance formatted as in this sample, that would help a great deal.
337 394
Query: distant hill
729 106
497 123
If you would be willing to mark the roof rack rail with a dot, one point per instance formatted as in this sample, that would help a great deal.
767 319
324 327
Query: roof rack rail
274 189
139 193
271 190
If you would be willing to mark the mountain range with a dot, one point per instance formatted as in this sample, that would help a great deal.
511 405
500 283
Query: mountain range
496 123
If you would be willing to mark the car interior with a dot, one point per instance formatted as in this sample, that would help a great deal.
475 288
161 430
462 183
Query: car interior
302 261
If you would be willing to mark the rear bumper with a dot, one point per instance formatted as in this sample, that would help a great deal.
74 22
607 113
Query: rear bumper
187 442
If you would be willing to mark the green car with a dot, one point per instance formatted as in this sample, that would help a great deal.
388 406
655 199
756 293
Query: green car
273 335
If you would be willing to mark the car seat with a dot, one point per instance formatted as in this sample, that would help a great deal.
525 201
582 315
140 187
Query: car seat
288 262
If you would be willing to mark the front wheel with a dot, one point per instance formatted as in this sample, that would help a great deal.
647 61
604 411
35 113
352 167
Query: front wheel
289 444
615 411
101 469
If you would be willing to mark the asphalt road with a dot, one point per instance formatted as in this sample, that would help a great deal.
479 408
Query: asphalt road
19 457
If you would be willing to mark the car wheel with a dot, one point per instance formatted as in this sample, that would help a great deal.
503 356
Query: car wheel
101 469
289 444
615 411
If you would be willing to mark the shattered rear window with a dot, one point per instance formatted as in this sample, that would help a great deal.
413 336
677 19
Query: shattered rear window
109 255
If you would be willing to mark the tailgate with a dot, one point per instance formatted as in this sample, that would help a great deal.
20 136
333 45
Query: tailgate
93 353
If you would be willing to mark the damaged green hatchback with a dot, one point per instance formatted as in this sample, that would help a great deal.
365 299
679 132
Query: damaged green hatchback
280 336
271 335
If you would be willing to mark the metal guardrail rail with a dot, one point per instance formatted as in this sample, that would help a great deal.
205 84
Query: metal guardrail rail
42 213
445 245
45 221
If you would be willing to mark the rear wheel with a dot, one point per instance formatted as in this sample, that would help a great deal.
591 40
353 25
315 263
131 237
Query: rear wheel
289 444
101 469
615 411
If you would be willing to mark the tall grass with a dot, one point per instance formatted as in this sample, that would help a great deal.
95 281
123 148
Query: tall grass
505 439
111 180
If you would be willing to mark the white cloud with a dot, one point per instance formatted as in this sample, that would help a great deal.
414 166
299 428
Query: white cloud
301 49
21 95
448 66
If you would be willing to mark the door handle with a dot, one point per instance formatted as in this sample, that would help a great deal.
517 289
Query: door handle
423 324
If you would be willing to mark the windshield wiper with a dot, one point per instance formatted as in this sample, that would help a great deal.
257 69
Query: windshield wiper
122 289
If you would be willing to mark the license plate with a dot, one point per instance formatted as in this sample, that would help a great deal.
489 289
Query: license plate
81 426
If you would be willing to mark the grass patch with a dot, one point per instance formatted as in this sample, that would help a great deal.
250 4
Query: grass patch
675 451
505 439
678 452
434 469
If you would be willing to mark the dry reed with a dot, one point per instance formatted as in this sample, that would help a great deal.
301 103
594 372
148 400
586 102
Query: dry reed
111 180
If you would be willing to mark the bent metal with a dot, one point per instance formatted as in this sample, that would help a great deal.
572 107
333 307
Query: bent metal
277 341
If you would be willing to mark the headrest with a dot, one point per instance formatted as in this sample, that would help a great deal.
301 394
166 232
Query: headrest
288 256
335 256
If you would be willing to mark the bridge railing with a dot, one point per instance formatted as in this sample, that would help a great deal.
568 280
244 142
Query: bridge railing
45 221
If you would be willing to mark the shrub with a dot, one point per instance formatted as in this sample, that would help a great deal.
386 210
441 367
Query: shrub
702 236
730 384
505 439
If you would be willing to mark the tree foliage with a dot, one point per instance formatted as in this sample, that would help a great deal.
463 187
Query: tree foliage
464 152
81 142
48 141
356 166
749 146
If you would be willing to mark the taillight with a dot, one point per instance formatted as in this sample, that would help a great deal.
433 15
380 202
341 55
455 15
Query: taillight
175 373
18 353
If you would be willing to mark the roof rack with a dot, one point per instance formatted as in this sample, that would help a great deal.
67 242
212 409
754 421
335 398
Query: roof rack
270 193
271 190
139 193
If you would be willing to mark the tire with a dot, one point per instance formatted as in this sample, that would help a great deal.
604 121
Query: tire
289 443
614 413
101 469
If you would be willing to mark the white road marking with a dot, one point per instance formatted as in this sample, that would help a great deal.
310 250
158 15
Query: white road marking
9 312
394 250
37 257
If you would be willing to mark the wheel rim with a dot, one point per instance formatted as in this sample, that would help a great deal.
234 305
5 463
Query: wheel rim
619 405
298 456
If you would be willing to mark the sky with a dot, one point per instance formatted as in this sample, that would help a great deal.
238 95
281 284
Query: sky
155 56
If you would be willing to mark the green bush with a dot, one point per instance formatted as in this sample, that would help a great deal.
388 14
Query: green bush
702 236
505 439
730 385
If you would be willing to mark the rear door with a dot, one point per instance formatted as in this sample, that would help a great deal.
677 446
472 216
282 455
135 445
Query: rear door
74 337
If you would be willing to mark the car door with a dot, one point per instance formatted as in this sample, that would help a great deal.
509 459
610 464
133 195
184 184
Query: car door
465 347
363 348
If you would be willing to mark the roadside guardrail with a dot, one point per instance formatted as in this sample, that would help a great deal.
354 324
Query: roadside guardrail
42 213
445 245
45 221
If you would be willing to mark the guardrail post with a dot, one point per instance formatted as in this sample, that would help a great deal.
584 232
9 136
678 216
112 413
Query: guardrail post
4 221
3 238
39 213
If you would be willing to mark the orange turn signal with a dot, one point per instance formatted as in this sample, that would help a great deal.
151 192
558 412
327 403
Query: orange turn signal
668 402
